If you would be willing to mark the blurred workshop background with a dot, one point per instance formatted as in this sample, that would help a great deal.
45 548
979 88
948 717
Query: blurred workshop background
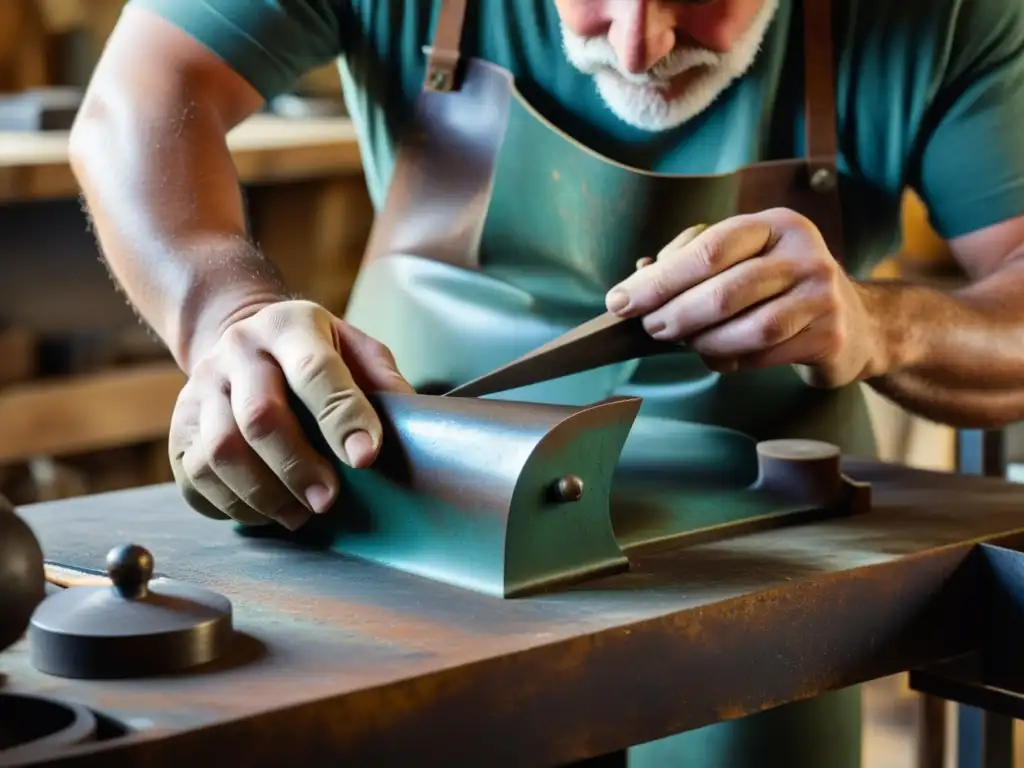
86 394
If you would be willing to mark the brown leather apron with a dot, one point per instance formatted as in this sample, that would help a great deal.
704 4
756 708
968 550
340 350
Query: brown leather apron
493 239
444 171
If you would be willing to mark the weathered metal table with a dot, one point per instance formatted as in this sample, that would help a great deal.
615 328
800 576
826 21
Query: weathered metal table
351 663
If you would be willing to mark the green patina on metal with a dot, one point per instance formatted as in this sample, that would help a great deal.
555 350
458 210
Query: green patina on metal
551 541
464 492
467 491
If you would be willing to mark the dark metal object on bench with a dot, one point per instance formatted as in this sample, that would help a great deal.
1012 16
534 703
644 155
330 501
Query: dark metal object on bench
135 626
22 579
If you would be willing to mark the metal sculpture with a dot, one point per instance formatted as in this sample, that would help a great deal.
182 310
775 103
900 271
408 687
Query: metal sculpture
500 497
510 499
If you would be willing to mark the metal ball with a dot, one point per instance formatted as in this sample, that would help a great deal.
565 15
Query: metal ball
130 567
569 488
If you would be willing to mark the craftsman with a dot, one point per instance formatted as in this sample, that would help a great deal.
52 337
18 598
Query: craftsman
789 133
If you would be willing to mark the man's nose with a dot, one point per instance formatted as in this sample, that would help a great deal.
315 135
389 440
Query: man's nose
643 36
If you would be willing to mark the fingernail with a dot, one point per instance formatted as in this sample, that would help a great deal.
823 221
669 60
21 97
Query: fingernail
320 497
655 328
359 448
293 517
646 261
617 300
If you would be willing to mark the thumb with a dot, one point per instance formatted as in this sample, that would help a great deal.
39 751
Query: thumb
323 383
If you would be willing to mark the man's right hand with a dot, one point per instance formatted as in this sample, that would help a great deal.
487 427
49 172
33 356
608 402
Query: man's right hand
236 447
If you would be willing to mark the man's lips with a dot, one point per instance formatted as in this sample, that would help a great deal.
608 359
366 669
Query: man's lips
667 89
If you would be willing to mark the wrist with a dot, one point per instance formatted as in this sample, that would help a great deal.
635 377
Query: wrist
199 335
892 334
226 280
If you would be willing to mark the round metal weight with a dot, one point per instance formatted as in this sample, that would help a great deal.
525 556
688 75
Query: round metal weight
801 469
133 628
22 578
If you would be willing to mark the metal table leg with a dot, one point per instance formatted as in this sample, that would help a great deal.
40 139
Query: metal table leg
932 729
980 452
984 739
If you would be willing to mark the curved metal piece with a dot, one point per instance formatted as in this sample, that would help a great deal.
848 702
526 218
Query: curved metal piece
485 495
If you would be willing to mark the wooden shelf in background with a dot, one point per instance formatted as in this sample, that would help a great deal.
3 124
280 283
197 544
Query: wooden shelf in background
266 149
90 412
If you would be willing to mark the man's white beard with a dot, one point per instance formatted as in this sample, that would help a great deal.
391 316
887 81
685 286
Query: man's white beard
639 99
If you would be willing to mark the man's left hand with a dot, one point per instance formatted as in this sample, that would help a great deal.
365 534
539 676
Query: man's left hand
757 291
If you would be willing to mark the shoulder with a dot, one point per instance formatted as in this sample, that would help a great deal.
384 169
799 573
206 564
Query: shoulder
931 95
271 44
945 36
901 65
490 26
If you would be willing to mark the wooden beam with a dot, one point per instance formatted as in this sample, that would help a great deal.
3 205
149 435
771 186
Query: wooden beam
88 413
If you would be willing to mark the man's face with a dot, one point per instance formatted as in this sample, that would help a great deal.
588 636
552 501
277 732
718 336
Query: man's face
657 63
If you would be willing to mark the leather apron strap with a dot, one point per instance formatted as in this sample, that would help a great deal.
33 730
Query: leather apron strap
821 145
443 53
820 135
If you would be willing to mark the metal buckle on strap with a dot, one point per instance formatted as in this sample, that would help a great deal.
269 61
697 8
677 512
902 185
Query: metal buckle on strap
441 66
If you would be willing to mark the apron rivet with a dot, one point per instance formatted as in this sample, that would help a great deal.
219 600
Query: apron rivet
439 80
823 180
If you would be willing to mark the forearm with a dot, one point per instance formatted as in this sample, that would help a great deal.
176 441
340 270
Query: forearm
150 154
954 357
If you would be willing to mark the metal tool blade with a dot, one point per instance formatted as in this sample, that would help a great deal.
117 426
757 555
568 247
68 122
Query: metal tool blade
604 340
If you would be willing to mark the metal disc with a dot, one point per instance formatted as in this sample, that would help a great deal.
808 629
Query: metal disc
34 728
134 628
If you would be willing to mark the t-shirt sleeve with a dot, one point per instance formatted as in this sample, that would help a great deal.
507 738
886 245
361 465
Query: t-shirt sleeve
271 43
969 168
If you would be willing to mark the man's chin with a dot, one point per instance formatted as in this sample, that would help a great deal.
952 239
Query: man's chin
655 107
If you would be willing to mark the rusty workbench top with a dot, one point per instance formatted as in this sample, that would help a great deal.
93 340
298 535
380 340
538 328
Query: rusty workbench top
374 666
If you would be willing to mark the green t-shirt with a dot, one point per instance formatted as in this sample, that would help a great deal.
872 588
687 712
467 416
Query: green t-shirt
930 93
